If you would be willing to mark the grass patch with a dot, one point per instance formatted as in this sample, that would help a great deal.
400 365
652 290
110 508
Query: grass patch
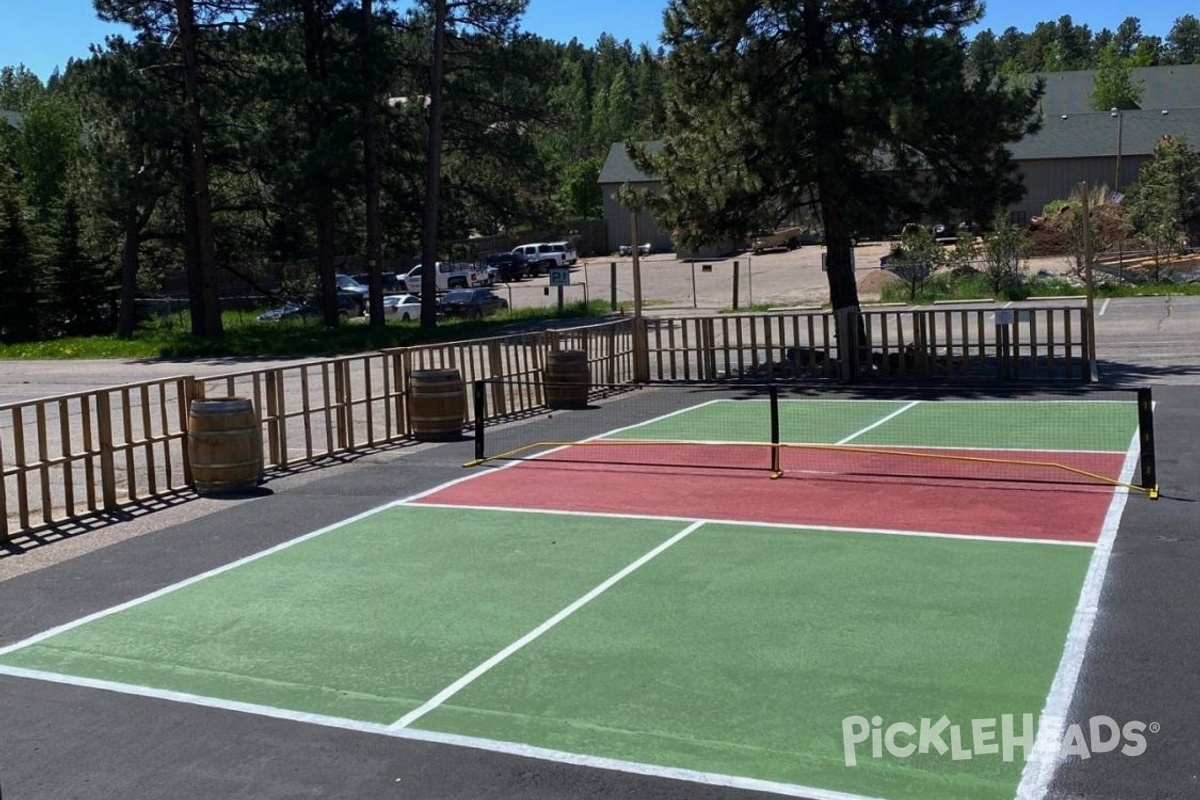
974 287
170 336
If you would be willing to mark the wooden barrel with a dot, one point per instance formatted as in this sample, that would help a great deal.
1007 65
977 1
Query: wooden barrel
567 379
224 445
437 404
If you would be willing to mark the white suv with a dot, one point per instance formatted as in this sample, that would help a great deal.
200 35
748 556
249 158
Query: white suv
543 256
450 275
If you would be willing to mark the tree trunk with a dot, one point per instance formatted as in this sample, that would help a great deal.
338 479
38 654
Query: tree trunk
843 290
433 170
371 174
199 200
320 178
191 249
324 212
130 260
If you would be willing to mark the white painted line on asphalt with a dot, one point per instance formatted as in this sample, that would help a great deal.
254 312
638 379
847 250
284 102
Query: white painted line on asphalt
137 601
879 422
486 666
1044 760
798 527
449 739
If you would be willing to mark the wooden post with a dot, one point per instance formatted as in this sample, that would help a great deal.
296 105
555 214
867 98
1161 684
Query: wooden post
108 474
612 276
736 270
641 351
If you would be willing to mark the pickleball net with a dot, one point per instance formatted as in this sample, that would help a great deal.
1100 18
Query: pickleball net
1086 437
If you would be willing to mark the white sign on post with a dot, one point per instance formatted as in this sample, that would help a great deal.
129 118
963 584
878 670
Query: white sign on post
825 261
560 276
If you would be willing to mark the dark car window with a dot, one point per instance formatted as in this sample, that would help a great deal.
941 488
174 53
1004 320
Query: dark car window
460 296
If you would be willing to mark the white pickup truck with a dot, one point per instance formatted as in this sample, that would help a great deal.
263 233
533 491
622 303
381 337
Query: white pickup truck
450 275
545 256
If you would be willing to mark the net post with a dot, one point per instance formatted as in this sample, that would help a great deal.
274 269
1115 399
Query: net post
774 394
480 389
1146 434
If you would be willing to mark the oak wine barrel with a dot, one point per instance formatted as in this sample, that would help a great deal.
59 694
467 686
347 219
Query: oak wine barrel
567 379
437 404
224 445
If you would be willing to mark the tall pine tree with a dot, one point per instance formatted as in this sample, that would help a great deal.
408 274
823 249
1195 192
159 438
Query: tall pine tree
854 107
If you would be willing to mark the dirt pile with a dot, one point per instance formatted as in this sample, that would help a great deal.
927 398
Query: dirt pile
874 282
1052 234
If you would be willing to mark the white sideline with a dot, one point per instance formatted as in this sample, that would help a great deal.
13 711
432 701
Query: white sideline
450 739
486 666
1041 765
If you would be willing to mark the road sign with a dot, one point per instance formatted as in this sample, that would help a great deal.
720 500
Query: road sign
560 276
1005 316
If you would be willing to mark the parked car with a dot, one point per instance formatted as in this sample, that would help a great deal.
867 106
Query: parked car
508 267
627 250
349 305
569 256
473 303
450 275
402 306
545 256
391 281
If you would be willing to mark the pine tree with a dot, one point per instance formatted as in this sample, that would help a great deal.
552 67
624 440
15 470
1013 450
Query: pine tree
20 309
858 109
83 303
1114 86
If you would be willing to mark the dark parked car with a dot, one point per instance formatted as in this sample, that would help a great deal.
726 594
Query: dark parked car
349 305
391 281
509 267
473 303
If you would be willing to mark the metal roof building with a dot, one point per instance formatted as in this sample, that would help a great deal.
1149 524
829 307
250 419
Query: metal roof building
1073 145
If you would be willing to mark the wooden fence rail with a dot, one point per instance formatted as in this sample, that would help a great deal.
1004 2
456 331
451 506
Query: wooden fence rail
1043 344
80 455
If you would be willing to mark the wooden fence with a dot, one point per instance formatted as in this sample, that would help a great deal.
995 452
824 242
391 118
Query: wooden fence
89 454
1036 344
93 453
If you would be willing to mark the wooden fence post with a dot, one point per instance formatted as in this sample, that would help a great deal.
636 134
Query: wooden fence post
108 473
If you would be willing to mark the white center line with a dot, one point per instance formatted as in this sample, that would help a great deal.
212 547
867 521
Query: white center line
486 666
878 422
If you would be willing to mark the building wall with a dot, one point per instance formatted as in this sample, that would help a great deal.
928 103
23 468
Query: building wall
619 222
1056 179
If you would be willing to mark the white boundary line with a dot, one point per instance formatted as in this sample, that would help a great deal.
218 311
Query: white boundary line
454 740
791 526
878 422
486 666
658 419
939 401
137 601
1041 766
1104 306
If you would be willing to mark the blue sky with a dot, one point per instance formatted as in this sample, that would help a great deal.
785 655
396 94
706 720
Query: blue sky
43 34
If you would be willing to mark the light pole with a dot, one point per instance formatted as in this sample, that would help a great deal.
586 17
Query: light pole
1116 112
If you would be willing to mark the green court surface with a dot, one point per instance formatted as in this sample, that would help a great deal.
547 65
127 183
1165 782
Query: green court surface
736 650
1008 424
